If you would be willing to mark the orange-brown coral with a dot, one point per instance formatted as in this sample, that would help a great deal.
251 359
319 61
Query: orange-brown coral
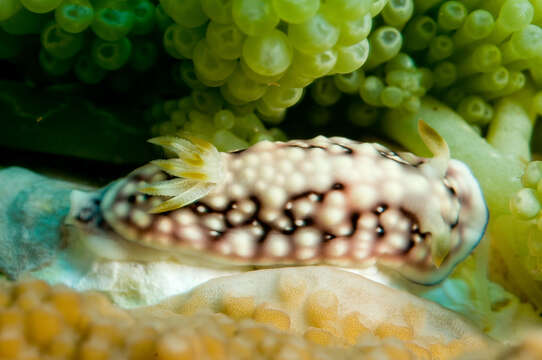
287 313
333 307
528 349
38 321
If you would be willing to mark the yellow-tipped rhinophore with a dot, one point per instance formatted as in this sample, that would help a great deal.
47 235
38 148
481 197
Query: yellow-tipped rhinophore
437 145
440 243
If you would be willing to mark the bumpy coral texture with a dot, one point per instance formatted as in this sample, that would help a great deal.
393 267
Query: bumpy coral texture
38 321
331 306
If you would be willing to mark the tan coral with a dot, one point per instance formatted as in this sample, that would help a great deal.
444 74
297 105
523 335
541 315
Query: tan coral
42 322
38 321
329 306
528 348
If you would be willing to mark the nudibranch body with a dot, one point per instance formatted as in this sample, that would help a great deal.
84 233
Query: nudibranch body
320 201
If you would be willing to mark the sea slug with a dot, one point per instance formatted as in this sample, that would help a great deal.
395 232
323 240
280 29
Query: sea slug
320 201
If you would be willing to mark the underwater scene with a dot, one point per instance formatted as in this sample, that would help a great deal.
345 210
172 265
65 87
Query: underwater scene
271 179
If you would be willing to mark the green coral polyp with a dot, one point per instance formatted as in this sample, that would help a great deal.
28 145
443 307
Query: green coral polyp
144 17
59 43
111 55
74 16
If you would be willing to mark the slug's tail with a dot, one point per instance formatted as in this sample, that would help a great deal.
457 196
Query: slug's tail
198 168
